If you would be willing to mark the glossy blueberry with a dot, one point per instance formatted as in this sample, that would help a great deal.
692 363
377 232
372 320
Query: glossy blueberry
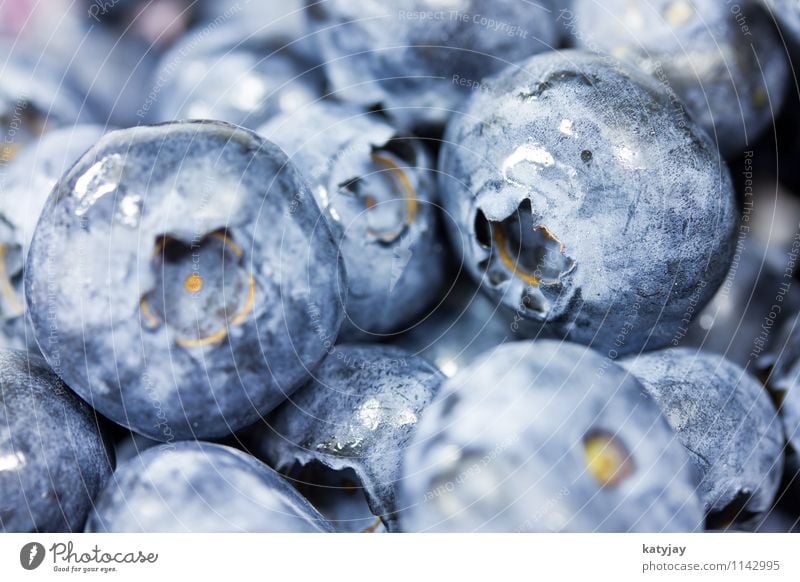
781 367
25 188
378 192
582 203
341 437
418 59
725 421
232 78
53 457
34 99
546 437
724 62
196 487
183 280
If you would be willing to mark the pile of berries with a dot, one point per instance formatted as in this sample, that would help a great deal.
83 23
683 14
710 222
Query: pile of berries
406 266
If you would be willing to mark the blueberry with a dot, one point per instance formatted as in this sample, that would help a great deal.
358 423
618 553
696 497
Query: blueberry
379 195
543 437
200 488
182 279
782 369
725 421
727 65
242 81
582 202
53 456
419 59
25 186
344 433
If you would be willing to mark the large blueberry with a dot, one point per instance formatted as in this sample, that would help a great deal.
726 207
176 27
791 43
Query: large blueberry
183 280
546 437
584 199
200 488
225 76
53 456
342 436
378 191
725 421
25 188
722 59
418 59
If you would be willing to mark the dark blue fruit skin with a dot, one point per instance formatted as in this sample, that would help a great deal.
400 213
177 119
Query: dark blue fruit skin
725 420
634 212
357 413
118 239
25 188
420 58
502 450
392 283
728 67
197 487
232 77
53 458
